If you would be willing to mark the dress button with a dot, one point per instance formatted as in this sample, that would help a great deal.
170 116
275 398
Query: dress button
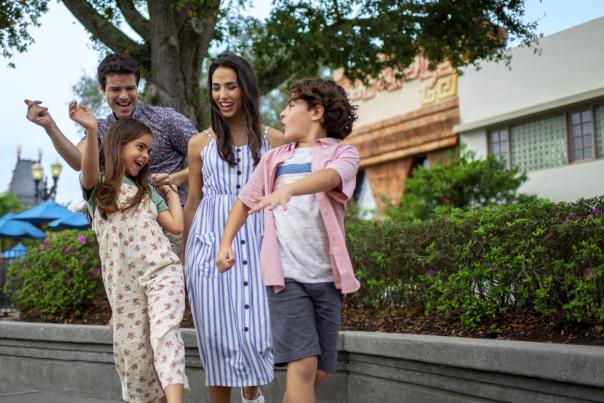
244 262
238 172
243 242
246 306
238 150
245 283
246 329
238 186
238 159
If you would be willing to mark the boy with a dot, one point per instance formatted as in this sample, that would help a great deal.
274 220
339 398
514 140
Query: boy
306 268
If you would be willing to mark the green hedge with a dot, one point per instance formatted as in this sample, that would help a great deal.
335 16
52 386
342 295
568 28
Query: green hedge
472 265
58 278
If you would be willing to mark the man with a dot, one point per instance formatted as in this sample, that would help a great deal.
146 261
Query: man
118 77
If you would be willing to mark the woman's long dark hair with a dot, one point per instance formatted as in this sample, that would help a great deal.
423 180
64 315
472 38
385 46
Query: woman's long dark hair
250 100
112 167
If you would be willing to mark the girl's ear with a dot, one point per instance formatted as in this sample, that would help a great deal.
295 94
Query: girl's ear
317 113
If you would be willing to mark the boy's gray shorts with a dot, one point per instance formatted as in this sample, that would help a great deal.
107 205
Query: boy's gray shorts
305 318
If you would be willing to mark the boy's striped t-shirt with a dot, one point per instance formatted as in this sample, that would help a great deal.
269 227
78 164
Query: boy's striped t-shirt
303 244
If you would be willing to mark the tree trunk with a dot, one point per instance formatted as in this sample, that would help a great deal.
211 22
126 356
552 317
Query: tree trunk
179 44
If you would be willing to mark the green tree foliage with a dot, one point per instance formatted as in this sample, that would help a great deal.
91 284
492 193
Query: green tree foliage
172 38
16 17
10 203
463 183
88 92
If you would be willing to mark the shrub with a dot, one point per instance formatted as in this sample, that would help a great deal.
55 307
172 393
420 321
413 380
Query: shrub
58 278
477 264
465 182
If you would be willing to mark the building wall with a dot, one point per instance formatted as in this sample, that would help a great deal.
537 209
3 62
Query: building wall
534 99
568 183
570 62
401 123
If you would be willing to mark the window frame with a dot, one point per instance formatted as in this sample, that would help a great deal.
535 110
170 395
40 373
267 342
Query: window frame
569 133
492 130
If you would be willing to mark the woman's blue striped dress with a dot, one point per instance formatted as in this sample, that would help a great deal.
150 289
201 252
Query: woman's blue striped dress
230 310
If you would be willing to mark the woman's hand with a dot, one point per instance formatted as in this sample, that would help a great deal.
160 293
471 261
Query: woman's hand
225 259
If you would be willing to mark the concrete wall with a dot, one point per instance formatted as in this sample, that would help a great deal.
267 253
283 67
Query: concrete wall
571 62
374 367
567 183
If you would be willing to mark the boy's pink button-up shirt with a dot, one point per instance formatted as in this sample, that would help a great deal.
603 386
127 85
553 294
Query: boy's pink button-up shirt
326 153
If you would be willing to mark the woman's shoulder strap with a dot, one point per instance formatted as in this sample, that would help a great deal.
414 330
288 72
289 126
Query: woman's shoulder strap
207 133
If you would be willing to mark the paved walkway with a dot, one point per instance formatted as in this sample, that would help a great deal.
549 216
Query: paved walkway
23 394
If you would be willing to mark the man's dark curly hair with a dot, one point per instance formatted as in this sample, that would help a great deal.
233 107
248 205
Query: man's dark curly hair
115 63
339 114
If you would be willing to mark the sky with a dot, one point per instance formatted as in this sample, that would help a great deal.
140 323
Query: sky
62 53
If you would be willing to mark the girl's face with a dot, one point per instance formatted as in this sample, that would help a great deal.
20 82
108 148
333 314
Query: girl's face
226 92
135 154
297 121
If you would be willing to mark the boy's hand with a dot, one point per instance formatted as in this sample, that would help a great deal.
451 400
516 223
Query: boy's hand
277 198
82 115
225 259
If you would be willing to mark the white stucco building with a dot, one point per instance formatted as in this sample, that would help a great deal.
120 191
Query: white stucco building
544 113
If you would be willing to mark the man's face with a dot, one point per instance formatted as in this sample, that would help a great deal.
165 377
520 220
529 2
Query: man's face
121 94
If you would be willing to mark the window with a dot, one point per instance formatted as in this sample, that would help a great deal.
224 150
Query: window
539 143
581 138
499 145
551 141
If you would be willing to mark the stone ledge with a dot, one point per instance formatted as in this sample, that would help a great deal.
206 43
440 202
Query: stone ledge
561 362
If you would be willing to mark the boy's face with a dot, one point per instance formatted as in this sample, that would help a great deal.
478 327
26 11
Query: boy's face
298 121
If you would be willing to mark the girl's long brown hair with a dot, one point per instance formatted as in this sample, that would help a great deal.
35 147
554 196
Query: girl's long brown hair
112 167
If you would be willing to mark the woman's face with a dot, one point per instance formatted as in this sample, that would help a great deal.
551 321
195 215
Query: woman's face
226 92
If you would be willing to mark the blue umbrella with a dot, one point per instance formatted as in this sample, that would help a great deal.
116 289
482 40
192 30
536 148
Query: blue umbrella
44 212
11 228
18 250
75 220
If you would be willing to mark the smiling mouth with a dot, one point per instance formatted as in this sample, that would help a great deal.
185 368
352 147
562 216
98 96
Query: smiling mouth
226 105
123 104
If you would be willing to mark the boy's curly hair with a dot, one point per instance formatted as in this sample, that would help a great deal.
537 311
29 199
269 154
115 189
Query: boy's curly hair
339 114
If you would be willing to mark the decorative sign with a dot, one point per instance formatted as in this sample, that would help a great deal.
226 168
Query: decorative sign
435 86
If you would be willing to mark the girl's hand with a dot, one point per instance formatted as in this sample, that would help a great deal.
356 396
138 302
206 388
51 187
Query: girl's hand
275 199
225 258
165 189
82 115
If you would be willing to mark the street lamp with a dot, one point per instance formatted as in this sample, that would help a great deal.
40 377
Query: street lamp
37 173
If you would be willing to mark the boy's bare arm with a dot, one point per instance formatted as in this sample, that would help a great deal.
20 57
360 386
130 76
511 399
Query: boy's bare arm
319 181
226 258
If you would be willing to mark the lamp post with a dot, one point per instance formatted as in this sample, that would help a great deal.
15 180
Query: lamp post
37 173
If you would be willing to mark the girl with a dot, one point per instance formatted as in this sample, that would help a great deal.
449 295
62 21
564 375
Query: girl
142 276
229 311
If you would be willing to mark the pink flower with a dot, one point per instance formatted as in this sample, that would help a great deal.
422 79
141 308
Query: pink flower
82 239
46 241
